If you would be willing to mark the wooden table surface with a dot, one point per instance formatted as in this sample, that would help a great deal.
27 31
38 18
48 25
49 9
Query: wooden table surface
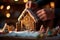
18 38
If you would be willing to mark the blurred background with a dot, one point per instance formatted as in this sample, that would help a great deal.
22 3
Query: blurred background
10 10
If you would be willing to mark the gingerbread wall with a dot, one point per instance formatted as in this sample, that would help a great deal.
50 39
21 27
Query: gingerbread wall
27 22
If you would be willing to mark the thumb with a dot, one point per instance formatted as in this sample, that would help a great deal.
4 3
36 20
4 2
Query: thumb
28 4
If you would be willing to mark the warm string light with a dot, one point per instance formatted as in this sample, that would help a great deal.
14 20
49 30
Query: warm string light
16 0
8 15
1 7
52 4
8 7
25 1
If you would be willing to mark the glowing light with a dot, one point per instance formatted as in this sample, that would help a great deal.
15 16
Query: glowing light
8 7
25 1
15 0
52 4
8 15
2 6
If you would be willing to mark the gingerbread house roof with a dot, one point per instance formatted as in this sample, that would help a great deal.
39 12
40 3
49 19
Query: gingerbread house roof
32 14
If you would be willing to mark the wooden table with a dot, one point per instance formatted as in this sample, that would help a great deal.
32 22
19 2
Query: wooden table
18 38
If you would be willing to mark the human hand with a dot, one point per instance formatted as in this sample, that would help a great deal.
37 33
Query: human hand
31 4
45 14
42 14
28 4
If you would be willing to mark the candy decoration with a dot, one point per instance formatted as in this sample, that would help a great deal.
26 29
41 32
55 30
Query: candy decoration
42 30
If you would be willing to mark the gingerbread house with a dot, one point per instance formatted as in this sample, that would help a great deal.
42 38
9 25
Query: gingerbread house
28 20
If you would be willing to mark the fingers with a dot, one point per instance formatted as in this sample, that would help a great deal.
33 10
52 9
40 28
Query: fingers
40 10
43 17
42 14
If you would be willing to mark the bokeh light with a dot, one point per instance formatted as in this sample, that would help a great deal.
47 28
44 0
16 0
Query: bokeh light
2 6
8 15
15 0
8 7
52 4
25 1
